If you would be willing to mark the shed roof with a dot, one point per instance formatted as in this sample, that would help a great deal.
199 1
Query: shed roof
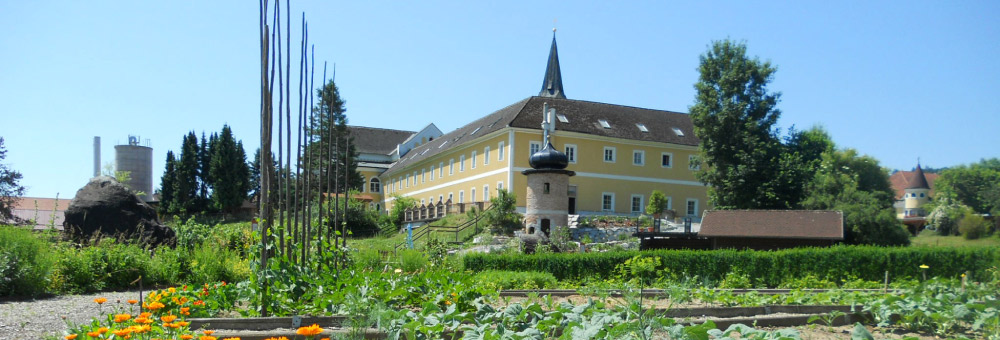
803 224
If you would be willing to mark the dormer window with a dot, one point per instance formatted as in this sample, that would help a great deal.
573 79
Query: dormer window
562 118
642 127
604 123
678 132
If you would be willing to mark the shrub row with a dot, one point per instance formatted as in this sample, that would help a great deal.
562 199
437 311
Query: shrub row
34 264
500 280
765 268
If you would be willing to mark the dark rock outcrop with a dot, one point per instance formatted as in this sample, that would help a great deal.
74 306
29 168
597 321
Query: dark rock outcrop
108 208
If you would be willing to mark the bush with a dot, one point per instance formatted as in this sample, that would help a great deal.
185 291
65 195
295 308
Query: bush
972 226
412 260
764 268
500 280
25 262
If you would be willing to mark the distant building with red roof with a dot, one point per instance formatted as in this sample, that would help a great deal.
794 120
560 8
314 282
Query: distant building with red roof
913 189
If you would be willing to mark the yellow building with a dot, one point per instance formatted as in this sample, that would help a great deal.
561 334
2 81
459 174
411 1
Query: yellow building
620 155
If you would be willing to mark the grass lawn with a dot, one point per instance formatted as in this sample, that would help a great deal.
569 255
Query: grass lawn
928 238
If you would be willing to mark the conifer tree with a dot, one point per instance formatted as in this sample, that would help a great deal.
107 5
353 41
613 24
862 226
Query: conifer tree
229 171
330 112
186 181
167 184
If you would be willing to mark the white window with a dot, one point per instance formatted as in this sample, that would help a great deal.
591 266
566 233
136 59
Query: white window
499 186
441 169
609 154
461 163
667 160
451 167
407 181
562 118
500 151
638 157
678 132
432 172
472 194
670 203
533 147
693 163
473 159
486 156
642 127
692 207
461 196
637 204
399 183
415 178
375 185
423 175
486 193
604 123
608 201
571 153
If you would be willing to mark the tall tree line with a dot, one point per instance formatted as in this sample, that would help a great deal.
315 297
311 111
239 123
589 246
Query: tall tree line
207 176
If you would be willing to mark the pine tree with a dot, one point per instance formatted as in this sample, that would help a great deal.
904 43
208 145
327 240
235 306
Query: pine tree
204 164
167 185
229 168
186 182
10 190
330 112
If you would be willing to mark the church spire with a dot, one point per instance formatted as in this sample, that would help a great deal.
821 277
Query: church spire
552 85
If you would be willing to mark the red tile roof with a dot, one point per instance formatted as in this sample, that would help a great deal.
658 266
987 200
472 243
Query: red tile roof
25 209
803 224
904 179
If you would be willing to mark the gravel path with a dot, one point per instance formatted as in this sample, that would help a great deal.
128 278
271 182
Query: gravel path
48 318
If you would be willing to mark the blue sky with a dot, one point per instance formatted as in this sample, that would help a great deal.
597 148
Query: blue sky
896 80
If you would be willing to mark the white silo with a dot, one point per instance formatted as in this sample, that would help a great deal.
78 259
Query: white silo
138 160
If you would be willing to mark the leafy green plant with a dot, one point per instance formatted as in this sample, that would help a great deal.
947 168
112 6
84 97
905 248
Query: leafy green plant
500 280
25 261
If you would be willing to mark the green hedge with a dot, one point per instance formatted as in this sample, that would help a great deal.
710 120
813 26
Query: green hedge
765 268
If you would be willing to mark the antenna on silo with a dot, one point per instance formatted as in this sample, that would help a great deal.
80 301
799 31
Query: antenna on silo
97 156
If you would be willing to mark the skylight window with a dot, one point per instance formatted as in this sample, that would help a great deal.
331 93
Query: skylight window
425 151
642 127
476 130
678 132
562 118
604 123
442 144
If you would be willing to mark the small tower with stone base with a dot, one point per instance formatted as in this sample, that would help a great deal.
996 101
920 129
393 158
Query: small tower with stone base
547 201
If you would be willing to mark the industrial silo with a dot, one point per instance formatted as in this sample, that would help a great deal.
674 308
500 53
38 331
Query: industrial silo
138 160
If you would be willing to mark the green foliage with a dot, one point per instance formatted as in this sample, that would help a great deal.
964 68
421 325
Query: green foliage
946 215
399 206
657 203
10 190
24 262
764 268
502 215
328 132
167 183
976 186
643 269
972 226
858 187
742 159
500 280
411 260
228 171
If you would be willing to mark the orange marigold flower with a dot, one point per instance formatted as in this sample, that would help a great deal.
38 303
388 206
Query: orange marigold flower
122 332
206 337
309 330
155 306
199 303
143 320
171 325
93 334
143 328
187 337
223 283
184 300
102 330
182 323
70 337
172 290
208 332
145 314
278 338
233 338
168 318
119 318
447 302
132 301
185 310
101 300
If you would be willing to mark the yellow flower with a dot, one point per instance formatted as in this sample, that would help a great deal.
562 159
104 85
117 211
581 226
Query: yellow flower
398 270
168 318
70 337
119 318
924 266
172 290
309 330
963 274
447 302
101 300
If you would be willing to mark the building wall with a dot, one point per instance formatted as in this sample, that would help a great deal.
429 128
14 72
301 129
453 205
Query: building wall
622 178
594 177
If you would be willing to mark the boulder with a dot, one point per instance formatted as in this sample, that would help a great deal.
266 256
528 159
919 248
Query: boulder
107 208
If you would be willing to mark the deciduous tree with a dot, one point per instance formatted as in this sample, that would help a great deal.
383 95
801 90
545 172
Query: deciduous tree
10 189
